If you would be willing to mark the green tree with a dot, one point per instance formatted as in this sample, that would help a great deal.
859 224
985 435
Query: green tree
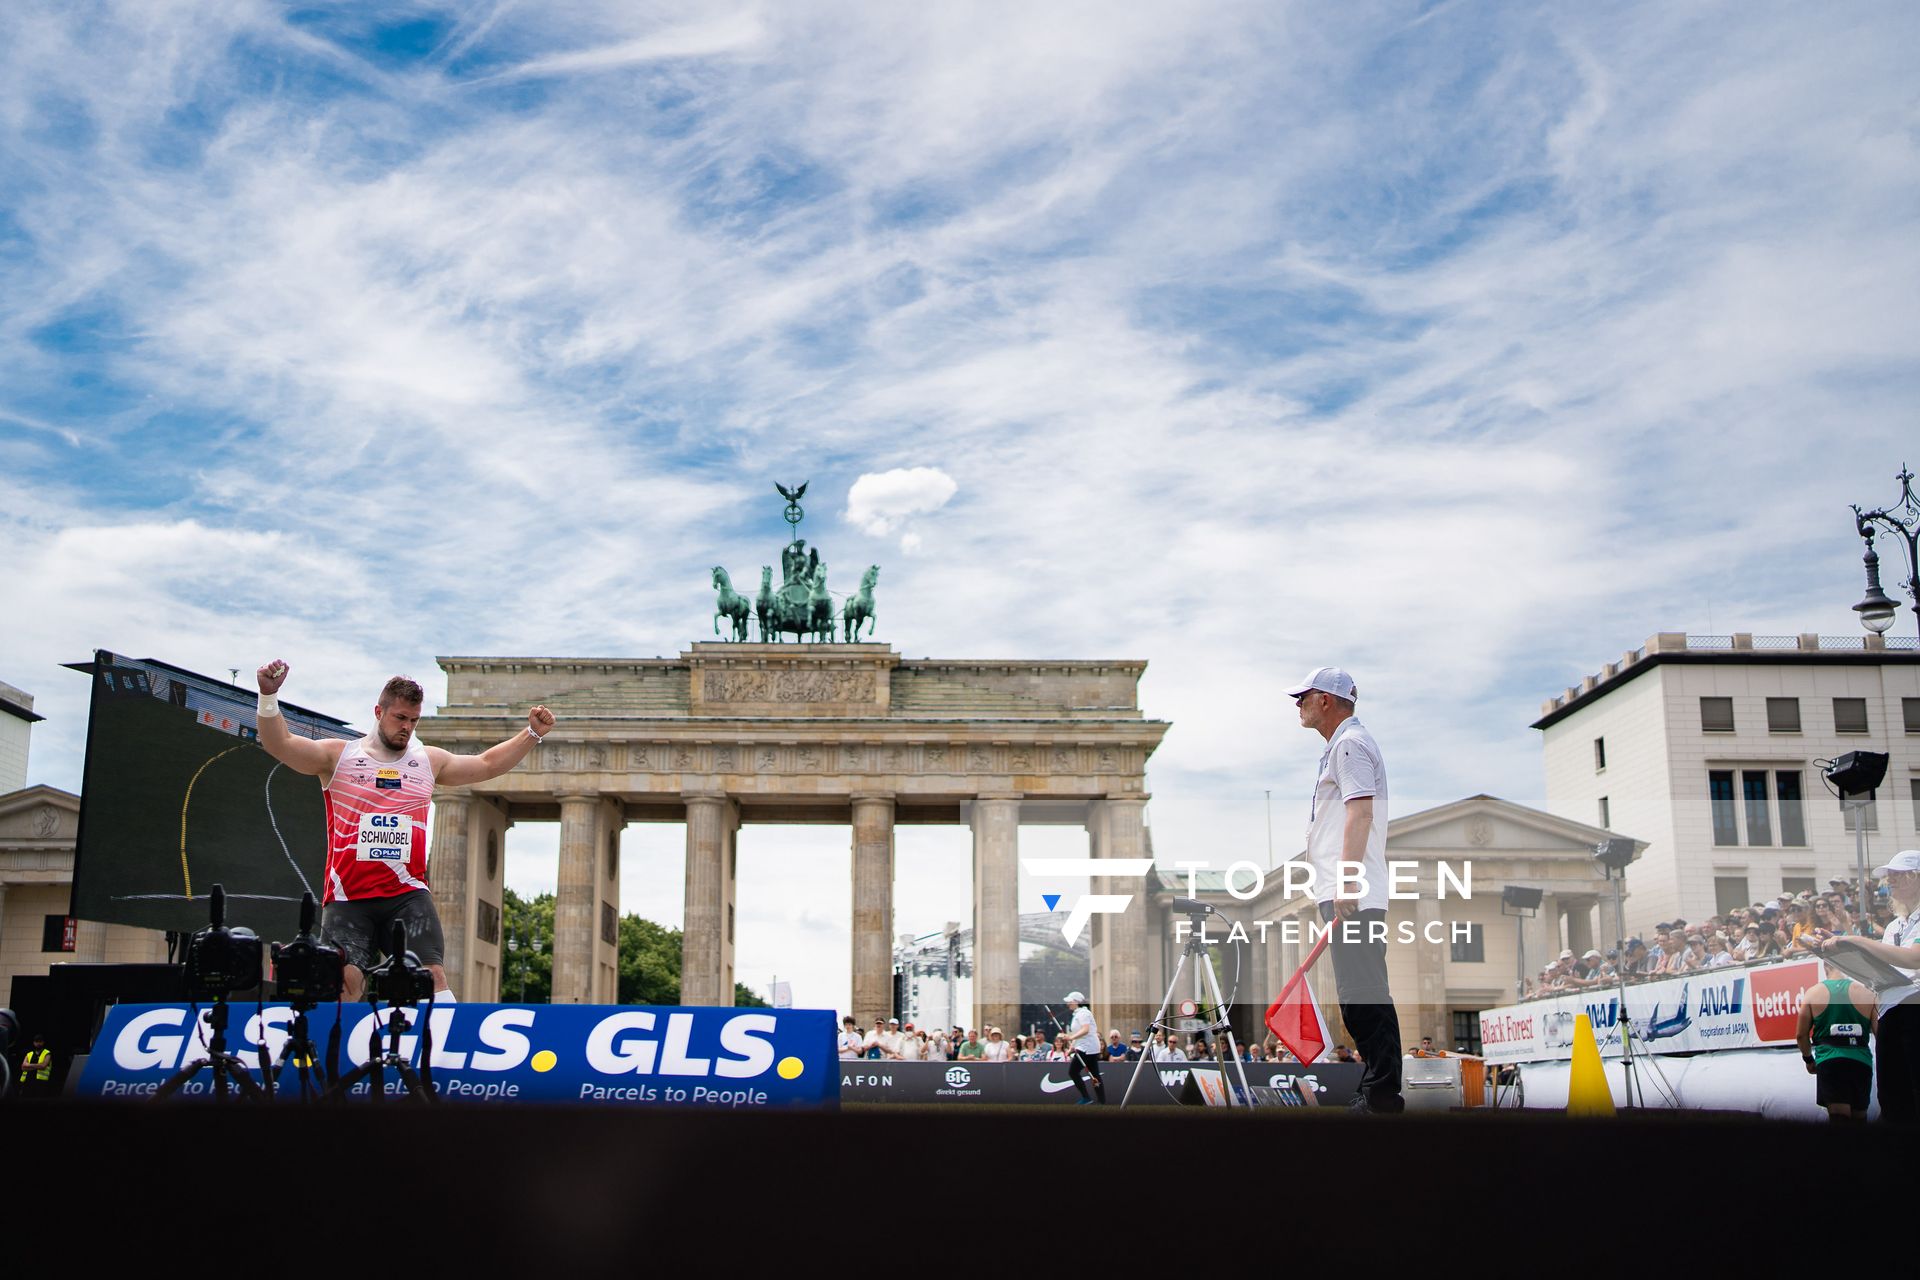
521 920
649 962
650 966
649 957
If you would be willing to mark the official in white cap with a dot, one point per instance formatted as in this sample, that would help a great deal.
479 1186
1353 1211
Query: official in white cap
1896 1055
1083 1034
1347 826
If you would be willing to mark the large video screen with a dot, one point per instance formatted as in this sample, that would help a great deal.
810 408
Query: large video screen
178 796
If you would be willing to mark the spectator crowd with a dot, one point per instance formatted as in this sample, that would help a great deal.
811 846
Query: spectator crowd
1764 932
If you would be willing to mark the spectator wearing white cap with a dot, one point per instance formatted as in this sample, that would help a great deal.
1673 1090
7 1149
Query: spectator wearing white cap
1083 1034
1897 1039
1347 829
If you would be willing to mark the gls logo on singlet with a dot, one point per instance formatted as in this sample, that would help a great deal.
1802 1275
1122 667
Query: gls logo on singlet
383 837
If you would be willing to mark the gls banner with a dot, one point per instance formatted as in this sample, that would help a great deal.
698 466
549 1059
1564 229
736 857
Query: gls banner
496 1052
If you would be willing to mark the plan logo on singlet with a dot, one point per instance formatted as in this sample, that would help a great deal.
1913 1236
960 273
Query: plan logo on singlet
1093 904
383 837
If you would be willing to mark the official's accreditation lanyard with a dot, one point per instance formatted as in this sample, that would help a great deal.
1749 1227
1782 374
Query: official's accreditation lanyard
1313 801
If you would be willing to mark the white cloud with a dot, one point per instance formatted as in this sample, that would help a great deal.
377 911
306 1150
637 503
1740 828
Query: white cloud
879 503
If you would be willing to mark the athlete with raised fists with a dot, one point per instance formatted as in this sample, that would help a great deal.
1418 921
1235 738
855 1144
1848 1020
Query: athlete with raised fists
377 792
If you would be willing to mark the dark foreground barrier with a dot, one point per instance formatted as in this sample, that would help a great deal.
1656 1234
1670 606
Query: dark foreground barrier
569 1191
1333 1084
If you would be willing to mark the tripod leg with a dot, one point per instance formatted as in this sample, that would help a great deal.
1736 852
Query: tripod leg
179 1078
1233 1048
417 1089
233 1068
1159 1020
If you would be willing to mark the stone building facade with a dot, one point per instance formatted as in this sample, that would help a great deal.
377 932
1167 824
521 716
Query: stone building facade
727 734
1708 747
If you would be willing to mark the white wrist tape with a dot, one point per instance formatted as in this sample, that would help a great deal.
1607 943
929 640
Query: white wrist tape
269 705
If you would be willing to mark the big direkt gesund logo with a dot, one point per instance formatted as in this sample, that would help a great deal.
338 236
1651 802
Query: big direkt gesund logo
1093 904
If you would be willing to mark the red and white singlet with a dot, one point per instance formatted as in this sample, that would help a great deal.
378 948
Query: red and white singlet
377 822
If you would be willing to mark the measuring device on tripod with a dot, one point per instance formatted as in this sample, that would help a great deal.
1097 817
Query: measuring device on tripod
1205 983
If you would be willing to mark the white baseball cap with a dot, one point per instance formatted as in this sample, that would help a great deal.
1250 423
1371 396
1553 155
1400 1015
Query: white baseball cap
1905 860
1076 997
1328 680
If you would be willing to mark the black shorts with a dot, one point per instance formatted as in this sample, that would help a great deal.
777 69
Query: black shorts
362 927
1843 1080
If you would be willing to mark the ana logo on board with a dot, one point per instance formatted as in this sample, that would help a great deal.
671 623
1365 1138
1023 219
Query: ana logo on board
1776 999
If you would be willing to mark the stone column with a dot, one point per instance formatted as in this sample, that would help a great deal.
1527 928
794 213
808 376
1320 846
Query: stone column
1543 935
704 980
1430 978
872 907
996 912
576 906
1124 937
448 874
610 821
487 825
1580 925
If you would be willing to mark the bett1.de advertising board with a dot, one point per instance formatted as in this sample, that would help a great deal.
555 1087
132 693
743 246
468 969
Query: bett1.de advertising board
591 1054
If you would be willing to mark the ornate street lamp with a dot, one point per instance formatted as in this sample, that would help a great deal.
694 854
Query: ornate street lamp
1902 519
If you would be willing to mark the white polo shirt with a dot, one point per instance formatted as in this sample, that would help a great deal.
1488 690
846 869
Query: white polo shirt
1903 932
1349 768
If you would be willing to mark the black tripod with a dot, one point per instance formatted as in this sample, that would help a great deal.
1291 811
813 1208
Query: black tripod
305 1057
402 981
229 1070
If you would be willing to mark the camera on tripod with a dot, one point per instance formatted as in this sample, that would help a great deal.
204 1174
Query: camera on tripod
401 978
220 960
306 971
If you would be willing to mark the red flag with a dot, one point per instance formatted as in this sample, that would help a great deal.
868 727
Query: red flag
1295 1017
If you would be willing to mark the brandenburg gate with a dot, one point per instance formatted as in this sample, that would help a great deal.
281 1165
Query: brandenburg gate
734 732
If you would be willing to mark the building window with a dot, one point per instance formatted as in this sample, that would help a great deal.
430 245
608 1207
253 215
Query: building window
1466 1031
1915 784
1910 714
1849 715
487 926
1606 815
1600 753
1793 821
1472 950
1720 793
1730 894
1716 715
609 924
1870 815
1783 715
59 933
1753 787
1796 884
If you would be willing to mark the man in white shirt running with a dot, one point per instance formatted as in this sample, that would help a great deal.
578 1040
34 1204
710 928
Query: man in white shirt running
1084 1035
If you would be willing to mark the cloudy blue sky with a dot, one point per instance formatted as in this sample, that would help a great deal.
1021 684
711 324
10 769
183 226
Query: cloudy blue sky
1462 344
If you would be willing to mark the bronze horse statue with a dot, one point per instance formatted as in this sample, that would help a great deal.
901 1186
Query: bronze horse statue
859 606
730 605
763 604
